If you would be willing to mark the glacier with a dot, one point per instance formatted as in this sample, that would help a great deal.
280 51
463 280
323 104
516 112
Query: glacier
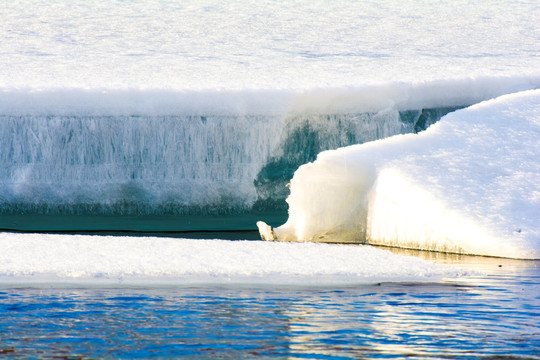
469 184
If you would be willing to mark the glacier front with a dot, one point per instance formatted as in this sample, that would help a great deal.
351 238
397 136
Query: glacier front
468 184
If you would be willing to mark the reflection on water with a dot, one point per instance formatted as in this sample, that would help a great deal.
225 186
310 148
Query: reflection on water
492 314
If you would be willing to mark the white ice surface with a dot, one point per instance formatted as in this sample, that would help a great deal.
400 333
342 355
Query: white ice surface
333 98
469 184
247 44
58 260
244 57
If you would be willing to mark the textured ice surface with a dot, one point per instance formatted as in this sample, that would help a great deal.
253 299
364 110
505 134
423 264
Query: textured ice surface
38 259
169 163
254 45
468 184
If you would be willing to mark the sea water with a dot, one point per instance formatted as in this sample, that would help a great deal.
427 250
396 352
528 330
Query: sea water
80 296
491 314
194 116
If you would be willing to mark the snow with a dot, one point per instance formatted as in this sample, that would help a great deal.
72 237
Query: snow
469 184
245 44
83 260
357 98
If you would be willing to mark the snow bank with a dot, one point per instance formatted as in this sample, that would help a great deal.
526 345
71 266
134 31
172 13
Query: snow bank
38 259
78 101
469 184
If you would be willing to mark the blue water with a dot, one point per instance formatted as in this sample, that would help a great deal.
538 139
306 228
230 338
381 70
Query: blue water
494 314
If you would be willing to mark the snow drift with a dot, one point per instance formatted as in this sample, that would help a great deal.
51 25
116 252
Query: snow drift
469 184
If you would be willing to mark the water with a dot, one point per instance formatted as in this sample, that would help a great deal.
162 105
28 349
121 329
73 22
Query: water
490 315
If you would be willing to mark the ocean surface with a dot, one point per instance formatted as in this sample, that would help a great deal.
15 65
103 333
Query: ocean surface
157 119
491 314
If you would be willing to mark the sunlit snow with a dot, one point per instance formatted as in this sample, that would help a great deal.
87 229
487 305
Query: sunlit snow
253 45
40 259
469 184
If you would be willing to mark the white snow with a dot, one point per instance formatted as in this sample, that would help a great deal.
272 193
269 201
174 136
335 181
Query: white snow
248 44
357 98
469 184
71 260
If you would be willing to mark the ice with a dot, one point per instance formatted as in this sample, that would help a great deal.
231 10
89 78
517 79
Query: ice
156 151
266 231
251 45
469 184
83 260
148 161
200 107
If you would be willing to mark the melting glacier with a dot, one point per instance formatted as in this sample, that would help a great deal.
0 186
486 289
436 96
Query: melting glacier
184 110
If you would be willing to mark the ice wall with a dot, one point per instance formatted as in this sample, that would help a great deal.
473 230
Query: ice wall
214 152
166 164
469 184
133 163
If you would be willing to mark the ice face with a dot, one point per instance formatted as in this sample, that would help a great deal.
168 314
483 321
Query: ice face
468 184
147 164
136 152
